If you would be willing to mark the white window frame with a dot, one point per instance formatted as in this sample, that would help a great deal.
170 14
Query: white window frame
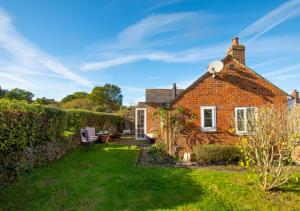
214 119
245 119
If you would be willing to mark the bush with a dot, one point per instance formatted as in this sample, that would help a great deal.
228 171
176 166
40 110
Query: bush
159 150
25 125
216 154
296 155
77 118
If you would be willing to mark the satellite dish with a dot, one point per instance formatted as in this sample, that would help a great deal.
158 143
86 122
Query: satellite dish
215 67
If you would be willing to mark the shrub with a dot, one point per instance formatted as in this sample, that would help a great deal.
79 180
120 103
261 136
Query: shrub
159 154
216 154
296 155
268 148
24 125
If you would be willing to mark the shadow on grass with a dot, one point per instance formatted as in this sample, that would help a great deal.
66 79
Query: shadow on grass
293 186
99 177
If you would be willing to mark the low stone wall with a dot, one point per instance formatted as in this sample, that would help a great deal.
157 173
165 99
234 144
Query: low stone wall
15 164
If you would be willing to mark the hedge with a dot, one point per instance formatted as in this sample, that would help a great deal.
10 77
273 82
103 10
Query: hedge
208 154
77 119
25 125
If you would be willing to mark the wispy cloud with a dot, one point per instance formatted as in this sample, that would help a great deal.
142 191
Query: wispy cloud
152 27
186 56
14 77
268 63
138 41
163 4
283 71
287 10
25 55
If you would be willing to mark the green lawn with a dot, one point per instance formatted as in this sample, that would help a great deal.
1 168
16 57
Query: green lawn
106 178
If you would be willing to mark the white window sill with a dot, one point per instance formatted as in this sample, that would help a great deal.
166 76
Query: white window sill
208 129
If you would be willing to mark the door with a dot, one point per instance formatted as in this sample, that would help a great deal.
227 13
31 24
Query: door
140 123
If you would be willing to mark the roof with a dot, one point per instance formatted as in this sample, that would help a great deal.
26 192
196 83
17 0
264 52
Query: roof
160 95
141 105
203 76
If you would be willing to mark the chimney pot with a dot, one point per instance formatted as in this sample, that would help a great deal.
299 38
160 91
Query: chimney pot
295 95
237 51
174 90
235 41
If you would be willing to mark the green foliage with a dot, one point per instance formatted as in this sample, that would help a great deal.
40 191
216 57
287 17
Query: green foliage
99 97
159 149
3 92
19 94
207 154
77 119
77 181
102 99
23 125
173 123
115 97
46 101
81 103
75 95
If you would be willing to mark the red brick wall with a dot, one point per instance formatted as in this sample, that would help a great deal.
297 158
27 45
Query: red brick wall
234 86
151 124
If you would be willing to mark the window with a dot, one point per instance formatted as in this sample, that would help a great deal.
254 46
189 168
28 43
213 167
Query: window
244 119
208 118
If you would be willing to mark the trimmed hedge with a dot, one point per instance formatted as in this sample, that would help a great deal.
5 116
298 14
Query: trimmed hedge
208 154
25 125
77 119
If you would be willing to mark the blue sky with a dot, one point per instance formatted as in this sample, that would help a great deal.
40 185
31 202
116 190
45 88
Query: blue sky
56 47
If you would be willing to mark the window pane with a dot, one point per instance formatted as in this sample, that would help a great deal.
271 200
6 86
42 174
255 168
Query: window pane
250 119
240 120
208 118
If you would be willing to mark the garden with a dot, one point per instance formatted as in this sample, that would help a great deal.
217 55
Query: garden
107 178
44 167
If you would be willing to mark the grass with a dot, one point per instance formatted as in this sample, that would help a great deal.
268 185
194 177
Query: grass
106 178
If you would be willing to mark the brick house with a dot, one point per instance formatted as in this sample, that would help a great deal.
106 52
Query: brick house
220 103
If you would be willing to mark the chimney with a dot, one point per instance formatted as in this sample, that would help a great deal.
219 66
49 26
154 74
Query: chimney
237 51
295 95
174 90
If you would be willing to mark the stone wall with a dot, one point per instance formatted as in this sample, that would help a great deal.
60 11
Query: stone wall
14 164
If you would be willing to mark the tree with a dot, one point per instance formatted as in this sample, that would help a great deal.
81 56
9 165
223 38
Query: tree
75 95
79 104
267 148
20 94
45 101
115 97
99 98
2 92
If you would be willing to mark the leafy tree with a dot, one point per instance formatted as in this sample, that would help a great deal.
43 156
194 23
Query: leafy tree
75 95
79 104
114 95
99 97
2 92
45 101
19 94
